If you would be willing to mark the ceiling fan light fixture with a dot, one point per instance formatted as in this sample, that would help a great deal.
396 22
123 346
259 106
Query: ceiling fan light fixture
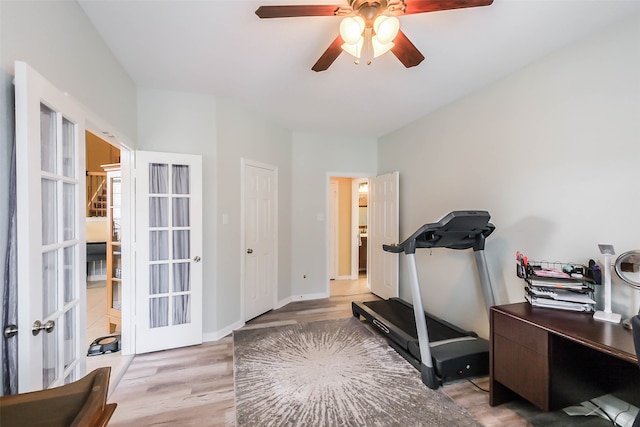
351 29
386 28
380 48
354 49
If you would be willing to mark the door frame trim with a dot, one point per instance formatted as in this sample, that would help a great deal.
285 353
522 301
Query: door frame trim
355 218
244 163
334 233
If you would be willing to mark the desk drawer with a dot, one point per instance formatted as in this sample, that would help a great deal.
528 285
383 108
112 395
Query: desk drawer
520 332
520 358
521 370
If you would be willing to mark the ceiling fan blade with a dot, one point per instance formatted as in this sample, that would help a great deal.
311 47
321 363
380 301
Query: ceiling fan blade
405 51
421 6
333 51
294 11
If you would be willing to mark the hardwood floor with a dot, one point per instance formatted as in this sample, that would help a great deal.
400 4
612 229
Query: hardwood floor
193 386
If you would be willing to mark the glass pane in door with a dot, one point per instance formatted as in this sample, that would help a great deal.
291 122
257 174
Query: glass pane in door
48 139
68 148
158 178
180 212
181 309
181 276
180 180
49 211
158 212
158 279
181 244
69 214
50 371
49 283
158 245
158 312
69 351
69 276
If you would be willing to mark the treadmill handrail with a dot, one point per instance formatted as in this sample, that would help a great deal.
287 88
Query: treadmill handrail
393 248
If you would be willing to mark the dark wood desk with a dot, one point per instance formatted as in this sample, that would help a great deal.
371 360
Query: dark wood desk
555 358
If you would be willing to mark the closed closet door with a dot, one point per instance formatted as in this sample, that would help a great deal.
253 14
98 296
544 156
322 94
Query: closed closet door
260 209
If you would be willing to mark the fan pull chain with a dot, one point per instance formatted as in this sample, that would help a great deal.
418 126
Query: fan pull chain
367 47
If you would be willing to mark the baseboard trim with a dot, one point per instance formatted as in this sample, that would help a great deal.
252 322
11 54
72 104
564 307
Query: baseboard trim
309 297
215 336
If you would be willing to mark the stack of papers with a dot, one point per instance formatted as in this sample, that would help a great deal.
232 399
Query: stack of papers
558 304
563 294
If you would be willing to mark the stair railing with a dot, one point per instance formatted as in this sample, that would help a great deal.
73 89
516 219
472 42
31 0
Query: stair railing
96 194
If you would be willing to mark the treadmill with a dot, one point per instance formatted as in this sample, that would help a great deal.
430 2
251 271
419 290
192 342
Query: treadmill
440 350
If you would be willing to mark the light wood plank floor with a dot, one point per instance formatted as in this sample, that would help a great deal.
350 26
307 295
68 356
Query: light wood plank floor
193 386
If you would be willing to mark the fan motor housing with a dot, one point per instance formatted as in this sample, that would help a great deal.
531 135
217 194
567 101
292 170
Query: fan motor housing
368 10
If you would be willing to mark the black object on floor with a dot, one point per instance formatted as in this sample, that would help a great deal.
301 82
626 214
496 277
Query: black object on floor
104 345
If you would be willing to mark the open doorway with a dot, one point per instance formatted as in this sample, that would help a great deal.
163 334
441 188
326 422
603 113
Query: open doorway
348 235
104 291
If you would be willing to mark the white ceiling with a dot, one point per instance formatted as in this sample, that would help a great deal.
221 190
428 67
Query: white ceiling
221 48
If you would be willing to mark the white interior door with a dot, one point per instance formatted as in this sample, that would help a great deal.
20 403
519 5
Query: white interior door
383 228
50 162
168 250
260 203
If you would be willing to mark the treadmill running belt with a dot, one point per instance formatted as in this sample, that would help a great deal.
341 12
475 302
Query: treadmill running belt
402 316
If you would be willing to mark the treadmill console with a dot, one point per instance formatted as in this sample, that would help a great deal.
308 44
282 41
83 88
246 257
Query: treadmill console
456 230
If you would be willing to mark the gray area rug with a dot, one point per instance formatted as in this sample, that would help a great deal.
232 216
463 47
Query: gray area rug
332 373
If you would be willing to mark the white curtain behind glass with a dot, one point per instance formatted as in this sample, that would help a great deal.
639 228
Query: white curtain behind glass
169 245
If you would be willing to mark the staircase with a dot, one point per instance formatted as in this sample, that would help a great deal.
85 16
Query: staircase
96 194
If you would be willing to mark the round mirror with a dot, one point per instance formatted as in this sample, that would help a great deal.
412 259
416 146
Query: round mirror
627 267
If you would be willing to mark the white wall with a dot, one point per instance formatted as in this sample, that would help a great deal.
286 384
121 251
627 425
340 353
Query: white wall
241 134
551 152
315 159
57 39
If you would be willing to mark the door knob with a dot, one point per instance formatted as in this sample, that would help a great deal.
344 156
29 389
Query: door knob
196 258
10 331
249 251
38 326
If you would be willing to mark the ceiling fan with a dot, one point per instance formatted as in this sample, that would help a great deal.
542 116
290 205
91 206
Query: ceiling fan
369 28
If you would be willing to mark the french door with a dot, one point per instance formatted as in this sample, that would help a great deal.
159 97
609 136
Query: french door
50 169
383 229
168 251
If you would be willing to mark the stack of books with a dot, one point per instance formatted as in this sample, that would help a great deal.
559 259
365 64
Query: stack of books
564 293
